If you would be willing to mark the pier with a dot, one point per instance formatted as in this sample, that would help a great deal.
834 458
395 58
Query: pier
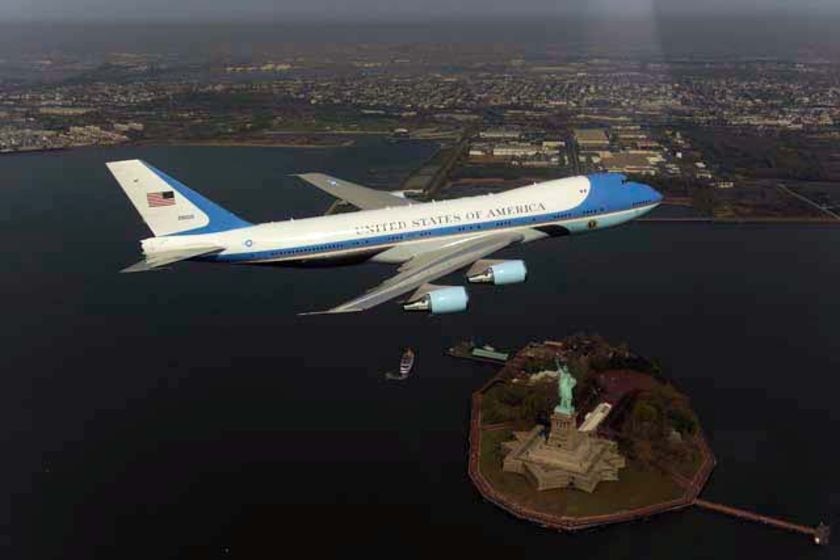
467 350
820 534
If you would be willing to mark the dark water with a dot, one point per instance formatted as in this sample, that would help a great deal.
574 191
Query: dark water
191 413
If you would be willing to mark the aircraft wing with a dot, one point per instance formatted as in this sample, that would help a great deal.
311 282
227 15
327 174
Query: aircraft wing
426 268
163 258
357 195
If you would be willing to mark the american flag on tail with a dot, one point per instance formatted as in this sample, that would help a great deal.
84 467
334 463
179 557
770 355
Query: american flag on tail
165 198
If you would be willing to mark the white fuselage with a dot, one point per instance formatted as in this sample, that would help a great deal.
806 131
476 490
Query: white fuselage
397 234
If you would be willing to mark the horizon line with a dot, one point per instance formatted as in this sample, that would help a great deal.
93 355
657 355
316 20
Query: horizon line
273 19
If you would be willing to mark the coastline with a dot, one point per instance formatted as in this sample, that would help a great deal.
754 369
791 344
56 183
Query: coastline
756 220
254 144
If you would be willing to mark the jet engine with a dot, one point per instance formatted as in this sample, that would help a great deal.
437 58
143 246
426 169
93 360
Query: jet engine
438 299
497 272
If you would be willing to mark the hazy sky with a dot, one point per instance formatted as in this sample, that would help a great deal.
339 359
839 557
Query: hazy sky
379 10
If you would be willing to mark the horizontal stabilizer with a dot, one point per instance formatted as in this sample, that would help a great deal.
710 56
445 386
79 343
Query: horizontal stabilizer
157 260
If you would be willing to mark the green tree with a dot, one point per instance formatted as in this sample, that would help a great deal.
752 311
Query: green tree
683 420
644 413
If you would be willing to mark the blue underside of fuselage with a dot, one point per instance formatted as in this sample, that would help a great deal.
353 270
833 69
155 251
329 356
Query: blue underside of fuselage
607 204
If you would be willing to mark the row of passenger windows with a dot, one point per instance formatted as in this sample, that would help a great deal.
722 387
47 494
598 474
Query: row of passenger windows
402 237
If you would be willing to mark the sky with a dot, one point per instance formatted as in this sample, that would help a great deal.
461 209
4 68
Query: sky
388 10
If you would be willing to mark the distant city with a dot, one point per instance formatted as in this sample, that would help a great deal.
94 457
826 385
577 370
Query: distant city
723 139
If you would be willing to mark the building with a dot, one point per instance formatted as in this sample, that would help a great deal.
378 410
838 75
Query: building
500 134
480 151
553 162
129 127
516 149
64 111
626 162
592 138
593 419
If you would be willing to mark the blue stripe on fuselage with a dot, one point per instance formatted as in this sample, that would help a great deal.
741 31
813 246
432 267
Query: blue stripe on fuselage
385 240
596 205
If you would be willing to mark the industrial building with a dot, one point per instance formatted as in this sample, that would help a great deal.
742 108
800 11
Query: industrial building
631 162
592 138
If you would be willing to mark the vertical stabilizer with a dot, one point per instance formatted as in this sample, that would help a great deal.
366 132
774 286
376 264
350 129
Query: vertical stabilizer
168 206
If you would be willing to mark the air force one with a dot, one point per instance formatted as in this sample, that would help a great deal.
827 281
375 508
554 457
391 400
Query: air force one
427 240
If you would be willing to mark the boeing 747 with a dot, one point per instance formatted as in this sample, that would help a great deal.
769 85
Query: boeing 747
426 240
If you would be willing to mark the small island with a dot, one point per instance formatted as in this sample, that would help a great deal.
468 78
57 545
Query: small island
579 432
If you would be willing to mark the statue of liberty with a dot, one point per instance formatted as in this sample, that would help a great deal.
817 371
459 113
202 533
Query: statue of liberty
565 383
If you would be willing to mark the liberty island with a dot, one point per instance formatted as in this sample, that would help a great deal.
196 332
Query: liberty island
638 451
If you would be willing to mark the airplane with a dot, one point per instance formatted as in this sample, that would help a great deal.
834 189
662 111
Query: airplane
426 240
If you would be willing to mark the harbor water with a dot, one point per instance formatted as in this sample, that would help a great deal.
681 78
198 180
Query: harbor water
192 413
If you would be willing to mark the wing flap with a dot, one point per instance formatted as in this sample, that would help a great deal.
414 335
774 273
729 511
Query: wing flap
163 258
427 268
361 197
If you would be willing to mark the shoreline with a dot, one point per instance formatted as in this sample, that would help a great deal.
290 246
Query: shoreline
254 144
747 220
757 220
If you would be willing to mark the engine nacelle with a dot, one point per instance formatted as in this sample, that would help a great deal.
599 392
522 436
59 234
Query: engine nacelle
439 299
497 272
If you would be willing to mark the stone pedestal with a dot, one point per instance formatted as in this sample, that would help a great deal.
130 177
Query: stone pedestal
569 458
564 433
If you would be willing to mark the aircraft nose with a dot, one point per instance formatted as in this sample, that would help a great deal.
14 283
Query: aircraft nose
647 194
655 195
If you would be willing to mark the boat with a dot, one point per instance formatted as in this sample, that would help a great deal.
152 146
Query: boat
407 362
406 365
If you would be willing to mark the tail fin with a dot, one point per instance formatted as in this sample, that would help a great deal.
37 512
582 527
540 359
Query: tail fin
168 206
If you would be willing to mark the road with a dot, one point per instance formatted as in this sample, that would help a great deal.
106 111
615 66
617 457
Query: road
808 201
574 156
